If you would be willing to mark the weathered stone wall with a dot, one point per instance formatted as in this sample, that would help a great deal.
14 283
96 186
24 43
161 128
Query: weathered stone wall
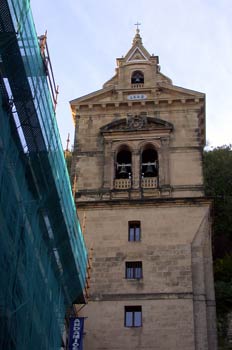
174 250
167 324
176 292
184 159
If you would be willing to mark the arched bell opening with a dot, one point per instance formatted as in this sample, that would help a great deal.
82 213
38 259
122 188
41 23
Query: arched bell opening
149 163
123 164
137 77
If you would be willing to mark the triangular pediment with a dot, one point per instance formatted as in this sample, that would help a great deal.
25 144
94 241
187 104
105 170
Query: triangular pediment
135 123
137 55
165 90
137 52
99 96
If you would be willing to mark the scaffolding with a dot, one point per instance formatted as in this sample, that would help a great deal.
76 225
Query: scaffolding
43 256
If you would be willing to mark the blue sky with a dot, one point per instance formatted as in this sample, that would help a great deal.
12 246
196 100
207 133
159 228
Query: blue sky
192 38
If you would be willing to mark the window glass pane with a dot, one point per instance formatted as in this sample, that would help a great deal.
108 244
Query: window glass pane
137 318
129 272
131 234
137 233
129 318
138 272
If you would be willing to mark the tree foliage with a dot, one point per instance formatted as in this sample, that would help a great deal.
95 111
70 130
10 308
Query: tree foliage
217 167
218 184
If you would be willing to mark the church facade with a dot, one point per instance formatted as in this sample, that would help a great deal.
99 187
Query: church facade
138 183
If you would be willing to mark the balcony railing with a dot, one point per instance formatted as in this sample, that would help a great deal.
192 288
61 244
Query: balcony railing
122 184
137 86
149 182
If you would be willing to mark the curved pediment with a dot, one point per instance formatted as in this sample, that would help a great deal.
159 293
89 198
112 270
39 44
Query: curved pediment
136 122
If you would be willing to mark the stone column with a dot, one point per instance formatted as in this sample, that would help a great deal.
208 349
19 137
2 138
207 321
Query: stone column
107 173
136 169
164 173
111 168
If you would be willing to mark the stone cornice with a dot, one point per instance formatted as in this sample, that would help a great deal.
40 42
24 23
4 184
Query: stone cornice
143 296
124 103
146 202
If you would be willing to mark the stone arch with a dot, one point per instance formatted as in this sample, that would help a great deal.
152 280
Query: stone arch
137 77
153 143
123 162
149 160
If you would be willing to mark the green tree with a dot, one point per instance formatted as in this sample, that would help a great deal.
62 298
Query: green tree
217 166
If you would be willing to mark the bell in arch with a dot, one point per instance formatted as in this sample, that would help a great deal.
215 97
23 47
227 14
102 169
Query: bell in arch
149 166
149 170
123 173
123 163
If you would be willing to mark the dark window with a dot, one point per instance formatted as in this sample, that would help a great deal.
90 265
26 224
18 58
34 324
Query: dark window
134 270
133 316
134 233
137 77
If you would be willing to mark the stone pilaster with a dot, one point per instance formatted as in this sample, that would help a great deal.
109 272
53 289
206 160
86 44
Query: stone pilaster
108 165
164 173
136 169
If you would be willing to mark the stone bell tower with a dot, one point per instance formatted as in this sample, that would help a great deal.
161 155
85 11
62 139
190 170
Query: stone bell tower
137 177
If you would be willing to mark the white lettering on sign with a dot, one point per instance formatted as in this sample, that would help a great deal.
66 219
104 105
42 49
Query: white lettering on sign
137 97
76 335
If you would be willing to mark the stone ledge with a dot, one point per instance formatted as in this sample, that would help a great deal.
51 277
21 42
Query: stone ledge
141 296
98 200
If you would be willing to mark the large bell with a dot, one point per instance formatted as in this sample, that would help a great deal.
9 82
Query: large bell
149 171
123 173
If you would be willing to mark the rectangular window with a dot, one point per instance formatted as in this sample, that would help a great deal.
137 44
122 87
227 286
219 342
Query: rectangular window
134 231
134 270
133 316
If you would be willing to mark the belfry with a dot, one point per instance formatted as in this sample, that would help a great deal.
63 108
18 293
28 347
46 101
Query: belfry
137 175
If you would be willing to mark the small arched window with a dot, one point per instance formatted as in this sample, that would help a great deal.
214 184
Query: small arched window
149 163
123 169
137 77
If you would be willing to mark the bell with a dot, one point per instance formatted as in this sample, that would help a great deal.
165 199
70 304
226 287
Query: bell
149 171
137 79
123 172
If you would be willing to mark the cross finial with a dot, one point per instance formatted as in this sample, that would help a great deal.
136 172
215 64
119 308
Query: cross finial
137 39
137 24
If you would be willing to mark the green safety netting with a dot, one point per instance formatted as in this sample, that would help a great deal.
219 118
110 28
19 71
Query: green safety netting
43 257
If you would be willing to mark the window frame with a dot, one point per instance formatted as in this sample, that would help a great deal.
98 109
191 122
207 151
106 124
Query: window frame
133 309
134 225
133 270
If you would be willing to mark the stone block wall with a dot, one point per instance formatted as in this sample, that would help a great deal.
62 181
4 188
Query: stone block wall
174 296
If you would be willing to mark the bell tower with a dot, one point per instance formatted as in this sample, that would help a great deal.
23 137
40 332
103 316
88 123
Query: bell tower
137 178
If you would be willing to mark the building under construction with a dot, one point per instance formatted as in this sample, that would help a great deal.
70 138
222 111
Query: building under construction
42 253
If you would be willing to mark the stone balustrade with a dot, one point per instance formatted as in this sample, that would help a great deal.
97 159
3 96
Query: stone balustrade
149 182
122 184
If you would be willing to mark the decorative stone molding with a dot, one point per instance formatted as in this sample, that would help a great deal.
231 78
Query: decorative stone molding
160 131
165 141
137 122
